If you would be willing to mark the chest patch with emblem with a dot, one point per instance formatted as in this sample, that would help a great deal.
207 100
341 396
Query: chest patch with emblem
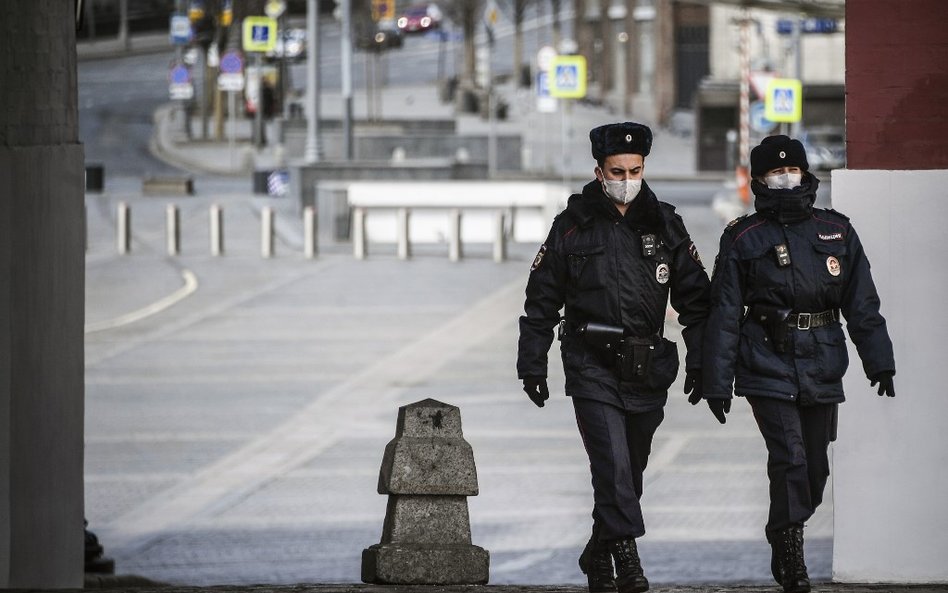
662 273
832 264
831 237
539 258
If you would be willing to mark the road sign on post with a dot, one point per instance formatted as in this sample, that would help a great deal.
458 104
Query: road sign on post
180 87
783 101
180 29
568 77
383 10
259 33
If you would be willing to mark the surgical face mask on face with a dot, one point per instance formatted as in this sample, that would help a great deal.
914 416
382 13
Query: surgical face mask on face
784 180
621 191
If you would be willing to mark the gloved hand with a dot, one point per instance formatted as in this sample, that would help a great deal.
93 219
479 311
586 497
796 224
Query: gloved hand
536 390
884 379
693 386
720 407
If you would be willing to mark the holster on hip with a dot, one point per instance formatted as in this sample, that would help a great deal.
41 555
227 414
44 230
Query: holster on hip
774 321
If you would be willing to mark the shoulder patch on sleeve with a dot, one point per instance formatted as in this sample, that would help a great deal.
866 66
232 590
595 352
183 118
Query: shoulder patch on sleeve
837 213
539 258
693 252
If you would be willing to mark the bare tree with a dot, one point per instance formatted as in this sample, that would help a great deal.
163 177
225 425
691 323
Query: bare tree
555 6
466 13
519 8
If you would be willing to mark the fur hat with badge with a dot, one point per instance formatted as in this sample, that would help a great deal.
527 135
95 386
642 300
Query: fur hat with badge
775 152
620 138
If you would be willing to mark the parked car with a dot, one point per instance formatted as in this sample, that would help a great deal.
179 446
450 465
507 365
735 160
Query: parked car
420 18
378 37
825 148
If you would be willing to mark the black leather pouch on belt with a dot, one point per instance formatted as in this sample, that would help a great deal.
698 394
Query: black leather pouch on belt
649 364
774 320
602 339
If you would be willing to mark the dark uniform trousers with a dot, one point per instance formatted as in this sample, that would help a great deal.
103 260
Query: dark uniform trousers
618 444
797 439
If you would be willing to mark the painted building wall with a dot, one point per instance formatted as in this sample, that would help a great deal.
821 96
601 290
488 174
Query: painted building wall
823 55
890 483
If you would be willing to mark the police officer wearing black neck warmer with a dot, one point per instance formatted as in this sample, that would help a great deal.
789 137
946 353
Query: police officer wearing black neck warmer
612 258
784 278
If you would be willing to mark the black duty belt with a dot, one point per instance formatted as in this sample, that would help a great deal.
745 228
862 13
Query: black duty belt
808 320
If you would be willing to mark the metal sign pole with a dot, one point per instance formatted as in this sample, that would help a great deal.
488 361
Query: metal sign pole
232 109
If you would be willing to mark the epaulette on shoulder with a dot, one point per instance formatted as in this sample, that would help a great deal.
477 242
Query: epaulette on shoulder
576 211
837 213
675 231
735 223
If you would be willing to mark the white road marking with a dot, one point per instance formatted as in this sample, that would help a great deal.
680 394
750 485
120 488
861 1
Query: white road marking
189 288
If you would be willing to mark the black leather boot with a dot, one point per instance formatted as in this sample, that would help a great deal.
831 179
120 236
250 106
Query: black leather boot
596 564
629 575
793 574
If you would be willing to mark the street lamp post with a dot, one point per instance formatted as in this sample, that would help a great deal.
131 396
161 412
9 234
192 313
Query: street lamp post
313 151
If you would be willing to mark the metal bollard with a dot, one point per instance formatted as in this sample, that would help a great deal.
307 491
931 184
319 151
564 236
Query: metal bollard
359 243
454 234
266 232
404 242
310 245
217 230
124 228
500 238
173 229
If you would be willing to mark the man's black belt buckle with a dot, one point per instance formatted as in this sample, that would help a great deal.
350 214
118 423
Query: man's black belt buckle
803 320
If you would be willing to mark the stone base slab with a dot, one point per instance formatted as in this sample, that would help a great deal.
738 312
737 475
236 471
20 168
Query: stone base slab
421 564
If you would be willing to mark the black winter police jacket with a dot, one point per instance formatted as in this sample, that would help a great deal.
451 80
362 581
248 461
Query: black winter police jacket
592 262
827 270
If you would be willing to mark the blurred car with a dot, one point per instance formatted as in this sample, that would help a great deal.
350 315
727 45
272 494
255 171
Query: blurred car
420 18
290 43
378 37
825 148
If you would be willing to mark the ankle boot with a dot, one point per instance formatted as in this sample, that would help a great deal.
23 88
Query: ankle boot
596 564
629 575
793 574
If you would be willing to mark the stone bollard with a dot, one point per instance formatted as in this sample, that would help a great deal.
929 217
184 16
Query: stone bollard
428 472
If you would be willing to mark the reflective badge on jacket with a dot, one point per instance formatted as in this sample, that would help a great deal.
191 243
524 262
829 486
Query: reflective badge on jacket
832 264
539 258
831 237
661 273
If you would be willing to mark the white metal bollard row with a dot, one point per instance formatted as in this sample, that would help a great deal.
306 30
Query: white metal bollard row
360 243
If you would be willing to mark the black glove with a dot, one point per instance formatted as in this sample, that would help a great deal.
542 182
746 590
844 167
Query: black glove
720 407
693 386
536 390
884 379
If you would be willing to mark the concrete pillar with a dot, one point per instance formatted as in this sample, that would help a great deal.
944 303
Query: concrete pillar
500 237
41 299
216 214
310 237
266 232
403 233
455 251
889 484
428 472
173 229
360 242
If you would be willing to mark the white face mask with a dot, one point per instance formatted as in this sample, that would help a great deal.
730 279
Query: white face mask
784 180
621 191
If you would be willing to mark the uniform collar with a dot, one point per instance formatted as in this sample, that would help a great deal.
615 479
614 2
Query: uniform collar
786 205
644 212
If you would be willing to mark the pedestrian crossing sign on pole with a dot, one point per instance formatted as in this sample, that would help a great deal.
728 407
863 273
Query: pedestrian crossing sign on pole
260 33
783 100
568 77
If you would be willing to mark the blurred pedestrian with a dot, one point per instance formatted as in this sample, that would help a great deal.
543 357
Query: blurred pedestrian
781 279
612 258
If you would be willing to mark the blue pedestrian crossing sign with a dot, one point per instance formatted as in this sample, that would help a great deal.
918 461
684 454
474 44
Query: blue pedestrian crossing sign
568 77
783 100
260 33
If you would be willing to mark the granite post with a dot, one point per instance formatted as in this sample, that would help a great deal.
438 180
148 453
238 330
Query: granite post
427 472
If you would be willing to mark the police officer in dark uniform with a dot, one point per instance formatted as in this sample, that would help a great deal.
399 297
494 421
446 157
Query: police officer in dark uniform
781 279
612 258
